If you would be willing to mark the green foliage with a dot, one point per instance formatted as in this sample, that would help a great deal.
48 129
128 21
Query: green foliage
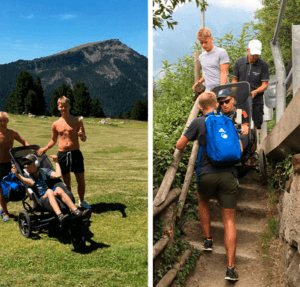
140 111
120 115
127 115
82 100
267 20
164 12
273 226
157 234
172 104
96 109
30 103
188 267
190 209
280 172
40 103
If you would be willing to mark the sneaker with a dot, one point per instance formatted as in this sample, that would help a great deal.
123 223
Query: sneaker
64 219
231 274
84 205
6 218
85 213
208 244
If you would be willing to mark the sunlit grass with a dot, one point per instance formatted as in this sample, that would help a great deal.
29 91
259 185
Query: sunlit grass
116 186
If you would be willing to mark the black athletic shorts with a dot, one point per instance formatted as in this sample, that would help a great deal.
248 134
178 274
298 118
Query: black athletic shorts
222 186
70 161
5 168
258 113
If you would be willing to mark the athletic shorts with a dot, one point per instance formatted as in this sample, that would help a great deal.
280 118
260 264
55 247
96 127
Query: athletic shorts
222 186
70 161
5 168
258 113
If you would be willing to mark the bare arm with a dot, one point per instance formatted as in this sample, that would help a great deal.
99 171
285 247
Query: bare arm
234 80
81 132
224 71
51 143
26 181
262 88
57 172
18 138
201 80
182 142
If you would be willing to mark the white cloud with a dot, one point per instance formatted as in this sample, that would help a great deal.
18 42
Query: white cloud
248 5
28 17
67 16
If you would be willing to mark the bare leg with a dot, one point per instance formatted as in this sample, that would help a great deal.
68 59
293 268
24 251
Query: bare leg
3 203
230 236
67 181
65 198
50 195
80 185
205 215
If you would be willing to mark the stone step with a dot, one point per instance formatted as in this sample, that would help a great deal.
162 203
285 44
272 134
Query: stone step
252 192
246 212
210 269
246 233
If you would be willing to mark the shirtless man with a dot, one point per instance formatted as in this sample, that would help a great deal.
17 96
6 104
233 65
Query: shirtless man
7 137
68 129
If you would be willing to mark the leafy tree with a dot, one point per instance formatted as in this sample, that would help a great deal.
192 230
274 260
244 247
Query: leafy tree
162 11
40 103
127 115
96 109
9 107
139 111
30 103
24 85
267 20
120 115
63 90
82 100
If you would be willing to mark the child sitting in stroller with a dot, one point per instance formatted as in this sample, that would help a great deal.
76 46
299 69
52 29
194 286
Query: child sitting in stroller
34 175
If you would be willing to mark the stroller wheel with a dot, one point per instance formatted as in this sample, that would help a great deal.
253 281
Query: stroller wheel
25 224
77 238
262 165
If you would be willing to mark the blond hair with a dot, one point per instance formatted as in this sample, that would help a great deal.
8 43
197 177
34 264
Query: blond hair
207 100
4 115
63 100
203 33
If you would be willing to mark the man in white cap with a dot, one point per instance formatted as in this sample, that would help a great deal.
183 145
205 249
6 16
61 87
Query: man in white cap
255 71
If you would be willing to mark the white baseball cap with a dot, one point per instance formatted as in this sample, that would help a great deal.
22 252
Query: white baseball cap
255 47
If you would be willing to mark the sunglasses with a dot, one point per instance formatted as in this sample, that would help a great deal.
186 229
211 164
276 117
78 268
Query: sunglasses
226 102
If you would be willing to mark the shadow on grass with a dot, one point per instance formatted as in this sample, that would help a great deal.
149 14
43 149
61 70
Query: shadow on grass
105 207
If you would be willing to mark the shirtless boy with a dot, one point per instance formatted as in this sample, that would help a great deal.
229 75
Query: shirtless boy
68 129
7 137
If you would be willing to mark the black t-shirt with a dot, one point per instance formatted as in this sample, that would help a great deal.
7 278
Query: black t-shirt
254 74
197 131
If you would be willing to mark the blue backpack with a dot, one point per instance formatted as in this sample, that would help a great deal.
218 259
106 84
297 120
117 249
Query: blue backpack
13 189
222 141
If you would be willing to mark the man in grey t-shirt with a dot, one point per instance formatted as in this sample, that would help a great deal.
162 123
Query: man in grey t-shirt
214 61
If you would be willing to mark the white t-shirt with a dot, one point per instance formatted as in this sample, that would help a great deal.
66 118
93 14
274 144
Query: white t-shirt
210 62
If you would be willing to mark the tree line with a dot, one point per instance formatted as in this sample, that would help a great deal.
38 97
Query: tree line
28 97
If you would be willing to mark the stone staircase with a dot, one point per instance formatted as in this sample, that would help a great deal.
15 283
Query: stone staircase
250 223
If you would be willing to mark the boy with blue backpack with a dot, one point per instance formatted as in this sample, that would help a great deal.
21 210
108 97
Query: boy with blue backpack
217 172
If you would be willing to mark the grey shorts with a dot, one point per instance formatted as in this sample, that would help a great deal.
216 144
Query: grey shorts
222 186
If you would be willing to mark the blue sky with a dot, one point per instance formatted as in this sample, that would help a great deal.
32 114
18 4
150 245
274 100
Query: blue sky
221 17
32 29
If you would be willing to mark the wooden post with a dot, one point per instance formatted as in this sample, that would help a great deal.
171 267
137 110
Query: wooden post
197 66
188 177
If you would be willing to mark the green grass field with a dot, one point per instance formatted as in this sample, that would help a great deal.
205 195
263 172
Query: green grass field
116 187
